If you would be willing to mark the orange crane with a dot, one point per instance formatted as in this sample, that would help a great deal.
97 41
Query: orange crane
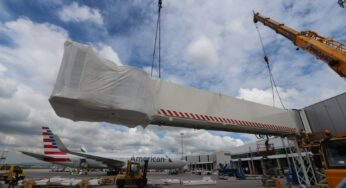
342 3
328 50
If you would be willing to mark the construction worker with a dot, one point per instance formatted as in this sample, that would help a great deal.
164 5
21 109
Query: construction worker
16 176
304 136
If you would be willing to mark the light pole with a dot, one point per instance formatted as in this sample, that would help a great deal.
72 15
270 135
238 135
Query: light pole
182 145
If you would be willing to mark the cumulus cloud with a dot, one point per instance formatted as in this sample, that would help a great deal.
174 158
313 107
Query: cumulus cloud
76 13
203 51
107 52
256 95
139 140
230 30
2 68
7 87
37 53
266 96
240 59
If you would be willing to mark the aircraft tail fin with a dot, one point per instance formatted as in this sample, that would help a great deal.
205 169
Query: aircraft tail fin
60 144
83 149
51 150
49 143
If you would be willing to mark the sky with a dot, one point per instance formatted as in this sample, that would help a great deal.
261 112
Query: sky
211 45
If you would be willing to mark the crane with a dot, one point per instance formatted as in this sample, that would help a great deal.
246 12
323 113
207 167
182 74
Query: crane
328 50
342 3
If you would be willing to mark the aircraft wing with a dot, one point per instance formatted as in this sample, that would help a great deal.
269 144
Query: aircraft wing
105 160
37 156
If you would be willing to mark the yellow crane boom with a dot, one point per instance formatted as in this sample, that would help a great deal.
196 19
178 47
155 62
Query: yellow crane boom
328 50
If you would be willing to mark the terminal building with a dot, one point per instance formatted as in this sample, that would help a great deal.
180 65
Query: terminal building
247 156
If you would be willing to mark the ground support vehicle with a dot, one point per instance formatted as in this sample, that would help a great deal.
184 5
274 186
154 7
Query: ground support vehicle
133 176
11 174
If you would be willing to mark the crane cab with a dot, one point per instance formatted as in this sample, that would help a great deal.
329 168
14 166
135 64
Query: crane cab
333 152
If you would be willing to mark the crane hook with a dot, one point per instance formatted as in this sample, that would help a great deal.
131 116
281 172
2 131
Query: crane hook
160 4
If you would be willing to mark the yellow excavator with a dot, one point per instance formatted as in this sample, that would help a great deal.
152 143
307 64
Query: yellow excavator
328 50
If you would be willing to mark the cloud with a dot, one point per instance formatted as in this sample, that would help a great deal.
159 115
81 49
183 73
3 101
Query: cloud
76 13
256 95
2 69
203 51
107 52
240 59
37 53
266 96
7 87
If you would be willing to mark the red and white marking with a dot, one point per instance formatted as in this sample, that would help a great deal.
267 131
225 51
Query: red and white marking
226 121
51 149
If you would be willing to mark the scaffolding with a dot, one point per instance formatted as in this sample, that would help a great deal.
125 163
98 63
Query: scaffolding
302 164
269 171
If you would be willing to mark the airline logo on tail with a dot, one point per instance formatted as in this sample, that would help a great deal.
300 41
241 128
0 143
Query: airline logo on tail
51 149
83 149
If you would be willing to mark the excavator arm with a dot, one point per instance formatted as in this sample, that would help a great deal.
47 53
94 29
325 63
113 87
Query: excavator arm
329 51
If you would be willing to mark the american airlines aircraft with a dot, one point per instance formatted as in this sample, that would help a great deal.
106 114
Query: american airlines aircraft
56 152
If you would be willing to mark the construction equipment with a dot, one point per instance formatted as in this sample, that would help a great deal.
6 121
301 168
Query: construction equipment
342 3
225 171
157 38
133 176
268 168
328 50
302 170
330 151
333 157
11 174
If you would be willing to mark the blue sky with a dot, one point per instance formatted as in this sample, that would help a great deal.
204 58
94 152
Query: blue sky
207 45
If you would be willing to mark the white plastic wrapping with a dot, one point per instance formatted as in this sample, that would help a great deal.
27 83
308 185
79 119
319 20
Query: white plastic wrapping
90 88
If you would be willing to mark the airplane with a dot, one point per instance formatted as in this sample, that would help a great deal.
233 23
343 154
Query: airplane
53 154
57 153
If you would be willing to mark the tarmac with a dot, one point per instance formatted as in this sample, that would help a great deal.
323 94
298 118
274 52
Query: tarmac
154 178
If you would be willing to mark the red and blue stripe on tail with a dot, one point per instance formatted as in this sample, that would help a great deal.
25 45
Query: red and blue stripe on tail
51 149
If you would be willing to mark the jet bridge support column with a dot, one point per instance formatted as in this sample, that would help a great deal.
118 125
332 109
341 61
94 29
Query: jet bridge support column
305 121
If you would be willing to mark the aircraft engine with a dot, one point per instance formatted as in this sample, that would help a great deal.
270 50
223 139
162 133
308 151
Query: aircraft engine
83 163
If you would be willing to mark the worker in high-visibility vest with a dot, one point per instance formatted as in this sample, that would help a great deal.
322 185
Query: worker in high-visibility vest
16 176
304 136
